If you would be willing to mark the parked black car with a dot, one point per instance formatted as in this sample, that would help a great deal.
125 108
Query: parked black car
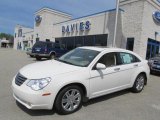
49 50
154 64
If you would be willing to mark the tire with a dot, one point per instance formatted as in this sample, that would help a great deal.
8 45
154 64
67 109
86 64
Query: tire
38 58
31 56
139 83
69 100
52 56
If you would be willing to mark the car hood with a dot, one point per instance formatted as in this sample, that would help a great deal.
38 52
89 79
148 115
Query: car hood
47 69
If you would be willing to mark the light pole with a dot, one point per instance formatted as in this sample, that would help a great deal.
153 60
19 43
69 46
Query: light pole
116 21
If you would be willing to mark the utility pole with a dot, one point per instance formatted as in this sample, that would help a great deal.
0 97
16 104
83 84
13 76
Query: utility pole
116 21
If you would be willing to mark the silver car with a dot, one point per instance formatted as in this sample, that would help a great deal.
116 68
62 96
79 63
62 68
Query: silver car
154 64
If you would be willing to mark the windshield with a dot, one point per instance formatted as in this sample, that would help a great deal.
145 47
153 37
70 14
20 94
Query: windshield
79 57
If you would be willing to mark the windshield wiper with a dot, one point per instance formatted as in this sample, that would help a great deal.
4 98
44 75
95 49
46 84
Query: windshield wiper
65 62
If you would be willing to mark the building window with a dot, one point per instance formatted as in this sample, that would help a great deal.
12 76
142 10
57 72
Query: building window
130 44
32 37
153 48
37 39
101 40
89 40
78 41
20 33
70 43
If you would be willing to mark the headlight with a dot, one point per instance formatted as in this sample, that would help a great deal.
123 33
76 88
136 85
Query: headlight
38 84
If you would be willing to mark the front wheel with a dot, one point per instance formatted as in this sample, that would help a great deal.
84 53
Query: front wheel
139 83
69 100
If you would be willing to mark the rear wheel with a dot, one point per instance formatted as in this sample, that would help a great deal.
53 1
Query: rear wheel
38 58
139 83
31 56
52 56
69 100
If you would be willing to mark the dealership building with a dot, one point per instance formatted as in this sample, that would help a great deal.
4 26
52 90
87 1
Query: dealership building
138 28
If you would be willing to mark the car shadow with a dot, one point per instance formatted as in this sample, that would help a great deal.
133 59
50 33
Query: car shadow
35 112
106 97
43 59
156 74
85 104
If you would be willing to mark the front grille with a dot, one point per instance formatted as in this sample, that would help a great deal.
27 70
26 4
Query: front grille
20 79
156 68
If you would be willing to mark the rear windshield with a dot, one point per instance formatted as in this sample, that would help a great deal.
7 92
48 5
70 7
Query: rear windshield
40 44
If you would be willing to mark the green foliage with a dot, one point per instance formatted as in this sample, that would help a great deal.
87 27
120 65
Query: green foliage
7 36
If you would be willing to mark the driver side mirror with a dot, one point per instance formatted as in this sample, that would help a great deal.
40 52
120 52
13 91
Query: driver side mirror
100 66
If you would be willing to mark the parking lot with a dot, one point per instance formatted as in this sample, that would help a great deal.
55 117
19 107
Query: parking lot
123 105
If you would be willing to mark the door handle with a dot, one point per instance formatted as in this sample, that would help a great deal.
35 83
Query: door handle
136 65
116 69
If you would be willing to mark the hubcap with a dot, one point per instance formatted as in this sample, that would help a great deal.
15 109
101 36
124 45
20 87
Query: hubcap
71 100
140 83
52 56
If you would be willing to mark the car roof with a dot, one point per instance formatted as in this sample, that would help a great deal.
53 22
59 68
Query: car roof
100 49
45 42
111 49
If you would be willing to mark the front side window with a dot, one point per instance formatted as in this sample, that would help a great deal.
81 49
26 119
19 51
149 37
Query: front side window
79 57
108 59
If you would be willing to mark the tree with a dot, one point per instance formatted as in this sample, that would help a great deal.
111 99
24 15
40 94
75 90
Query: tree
7 36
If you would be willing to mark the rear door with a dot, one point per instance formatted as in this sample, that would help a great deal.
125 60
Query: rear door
129 65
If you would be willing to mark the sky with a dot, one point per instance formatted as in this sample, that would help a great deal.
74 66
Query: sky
21 12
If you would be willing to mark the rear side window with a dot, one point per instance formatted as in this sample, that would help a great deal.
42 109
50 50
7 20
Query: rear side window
127 58
40 44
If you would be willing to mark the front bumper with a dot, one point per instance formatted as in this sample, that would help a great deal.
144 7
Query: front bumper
155 68
31 99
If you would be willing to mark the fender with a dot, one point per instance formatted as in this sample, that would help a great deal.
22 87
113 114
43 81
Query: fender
134 76
52 52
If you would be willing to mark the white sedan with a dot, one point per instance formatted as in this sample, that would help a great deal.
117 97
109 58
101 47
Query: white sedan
81 74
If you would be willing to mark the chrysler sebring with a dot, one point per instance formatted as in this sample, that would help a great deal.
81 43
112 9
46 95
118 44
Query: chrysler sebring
79 75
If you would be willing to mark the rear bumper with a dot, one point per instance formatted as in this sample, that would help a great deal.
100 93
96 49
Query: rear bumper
40 55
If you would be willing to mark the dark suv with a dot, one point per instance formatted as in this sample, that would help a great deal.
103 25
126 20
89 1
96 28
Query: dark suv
49 50
154 64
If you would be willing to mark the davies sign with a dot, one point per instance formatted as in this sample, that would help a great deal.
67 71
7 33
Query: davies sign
82 26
